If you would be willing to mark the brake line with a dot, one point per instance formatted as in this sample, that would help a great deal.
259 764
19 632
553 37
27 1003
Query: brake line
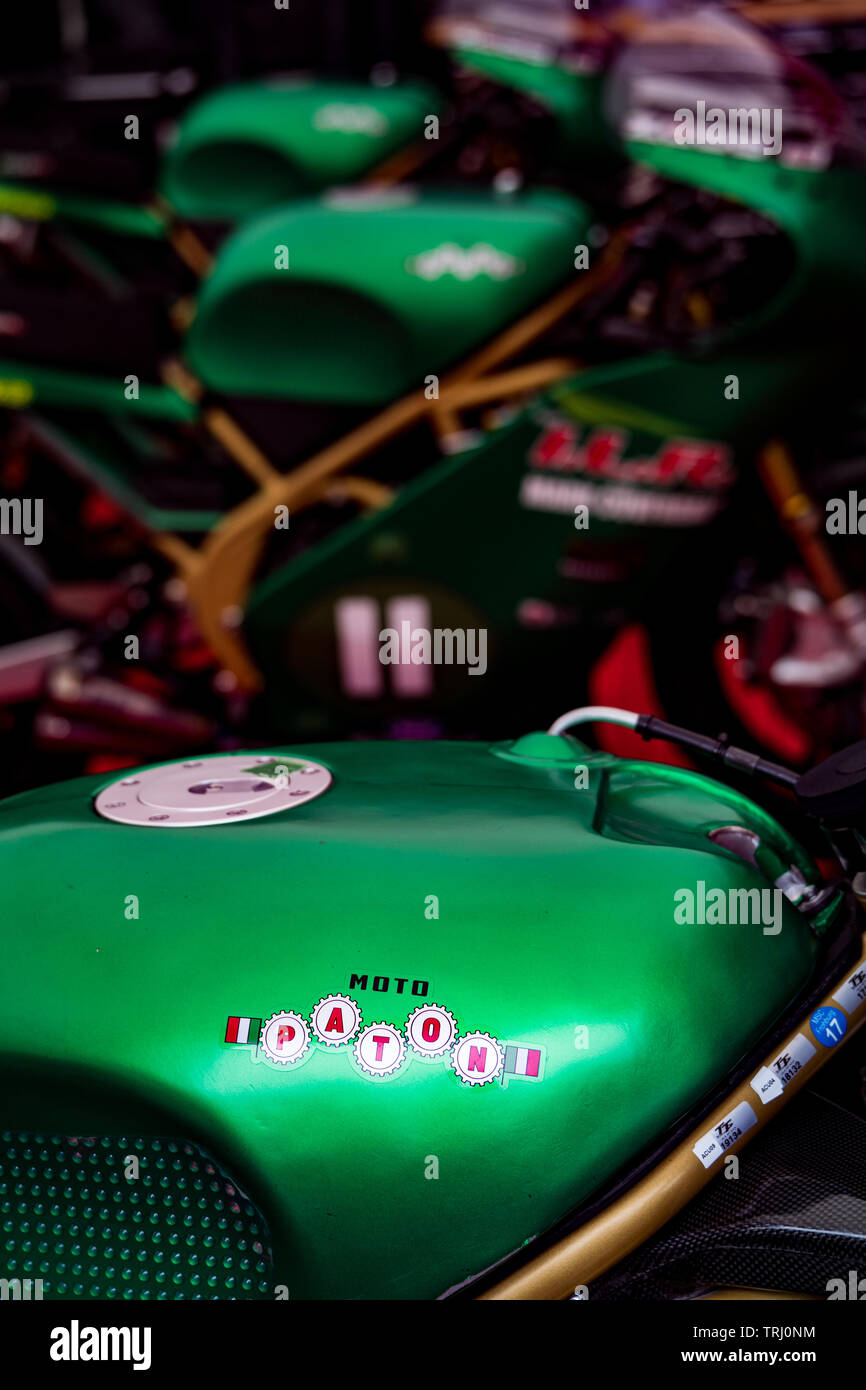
649 727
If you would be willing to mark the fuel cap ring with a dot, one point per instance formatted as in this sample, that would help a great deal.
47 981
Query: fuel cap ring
212 791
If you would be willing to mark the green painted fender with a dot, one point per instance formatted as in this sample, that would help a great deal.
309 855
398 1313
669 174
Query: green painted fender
537 910
248 147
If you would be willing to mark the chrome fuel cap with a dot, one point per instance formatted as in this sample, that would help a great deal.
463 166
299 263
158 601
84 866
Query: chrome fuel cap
212 791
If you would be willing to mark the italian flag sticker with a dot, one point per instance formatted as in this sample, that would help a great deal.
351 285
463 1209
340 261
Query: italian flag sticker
522 1061
243 1030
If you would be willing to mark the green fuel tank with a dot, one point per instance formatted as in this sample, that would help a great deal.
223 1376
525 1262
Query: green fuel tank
248 146
417 1000
356 296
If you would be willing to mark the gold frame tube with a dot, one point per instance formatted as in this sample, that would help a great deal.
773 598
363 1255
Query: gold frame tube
611 1235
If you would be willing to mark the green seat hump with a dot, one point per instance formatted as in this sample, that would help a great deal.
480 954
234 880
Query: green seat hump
359 297
535 916
247 147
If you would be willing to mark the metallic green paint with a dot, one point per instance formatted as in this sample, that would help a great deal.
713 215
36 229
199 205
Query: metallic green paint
247 147
37 205
821 211
573 98
555 912
23 385
380 290
429 542
654 399
251 146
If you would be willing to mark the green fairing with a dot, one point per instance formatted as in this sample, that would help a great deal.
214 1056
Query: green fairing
23 385
34 205
245 148
654 399
379 290
116 1026
573 98
822 213
93 452
305 330
346 322
248 147
428 542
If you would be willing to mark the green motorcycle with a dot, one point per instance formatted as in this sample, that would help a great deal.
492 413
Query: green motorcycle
339 327
514 96
539 1108
615 480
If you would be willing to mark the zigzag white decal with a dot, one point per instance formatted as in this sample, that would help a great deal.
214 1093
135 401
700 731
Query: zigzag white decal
465 263
350 120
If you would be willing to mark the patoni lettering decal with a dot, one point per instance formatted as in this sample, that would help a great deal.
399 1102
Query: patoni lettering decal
430 1034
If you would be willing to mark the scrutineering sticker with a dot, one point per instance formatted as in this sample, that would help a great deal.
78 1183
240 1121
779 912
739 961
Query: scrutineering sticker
853 992
381 1050
770 1081
829 1025
725 1134
795 1056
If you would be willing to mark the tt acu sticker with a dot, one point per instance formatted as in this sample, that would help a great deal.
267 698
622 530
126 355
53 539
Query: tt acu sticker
771 1080
853 992
429 1035
725 1134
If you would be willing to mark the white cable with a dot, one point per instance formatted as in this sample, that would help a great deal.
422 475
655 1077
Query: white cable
587 714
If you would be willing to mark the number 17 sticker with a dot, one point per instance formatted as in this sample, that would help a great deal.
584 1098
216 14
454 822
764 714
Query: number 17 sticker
829 1025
